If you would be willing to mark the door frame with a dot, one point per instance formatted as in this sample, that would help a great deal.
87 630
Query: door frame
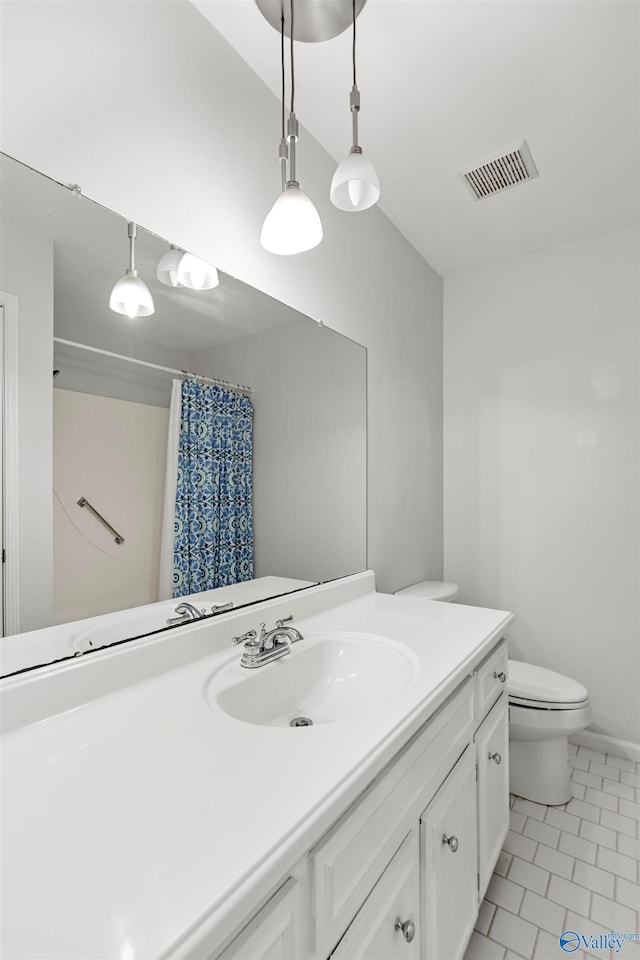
10 481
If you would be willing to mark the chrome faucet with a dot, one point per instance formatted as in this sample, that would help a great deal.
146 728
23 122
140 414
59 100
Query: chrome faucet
270 645
272 638
186 611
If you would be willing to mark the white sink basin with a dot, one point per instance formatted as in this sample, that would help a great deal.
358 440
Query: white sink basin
325 678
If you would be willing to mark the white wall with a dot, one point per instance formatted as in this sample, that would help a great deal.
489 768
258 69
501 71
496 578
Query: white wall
309 451
114 453
26 271
541 459
154 115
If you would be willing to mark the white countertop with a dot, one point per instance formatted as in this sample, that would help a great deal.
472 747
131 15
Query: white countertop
136 818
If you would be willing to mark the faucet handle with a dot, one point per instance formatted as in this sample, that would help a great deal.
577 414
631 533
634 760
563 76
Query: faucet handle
249 635
221 607
281 623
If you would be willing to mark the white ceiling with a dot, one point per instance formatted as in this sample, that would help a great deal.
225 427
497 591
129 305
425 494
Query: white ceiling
445 83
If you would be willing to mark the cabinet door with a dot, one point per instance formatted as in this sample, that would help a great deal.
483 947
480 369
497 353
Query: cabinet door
387 925
492 742
275 931
449 885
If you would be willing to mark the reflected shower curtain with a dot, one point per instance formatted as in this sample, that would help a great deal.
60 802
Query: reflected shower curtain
213 543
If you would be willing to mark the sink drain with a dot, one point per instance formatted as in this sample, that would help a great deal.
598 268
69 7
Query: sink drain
301 722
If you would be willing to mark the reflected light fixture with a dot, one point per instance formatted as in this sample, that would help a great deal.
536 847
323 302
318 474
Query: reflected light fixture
355 185
131 296
293 224
179 269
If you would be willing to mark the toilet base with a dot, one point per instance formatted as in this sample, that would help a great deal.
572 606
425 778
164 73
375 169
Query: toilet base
539 770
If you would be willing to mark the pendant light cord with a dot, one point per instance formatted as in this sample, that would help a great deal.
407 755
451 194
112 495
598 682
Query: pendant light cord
293 78
282 67
354 99
353 52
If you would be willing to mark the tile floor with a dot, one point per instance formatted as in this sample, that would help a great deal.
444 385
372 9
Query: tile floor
573 867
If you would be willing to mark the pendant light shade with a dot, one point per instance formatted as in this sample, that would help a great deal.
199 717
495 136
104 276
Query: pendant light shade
197 274
355 185
168 267
179 269
131 296
293 224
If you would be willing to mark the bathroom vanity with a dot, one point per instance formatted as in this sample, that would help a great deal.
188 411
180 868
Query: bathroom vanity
157 802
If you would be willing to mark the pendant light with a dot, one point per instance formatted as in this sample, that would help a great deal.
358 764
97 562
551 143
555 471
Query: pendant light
355 185
179 269
131 295
168 266
292 225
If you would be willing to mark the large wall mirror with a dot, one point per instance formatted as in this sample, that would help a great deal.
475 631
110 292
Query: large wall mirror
307 385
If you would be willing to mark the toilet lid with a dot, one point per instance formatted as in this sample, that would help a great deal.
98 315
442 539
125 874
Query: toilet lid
430 590
528 682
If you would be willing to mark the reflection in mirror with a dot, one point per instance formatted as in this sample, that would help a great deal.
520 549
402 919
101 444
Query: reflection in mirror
305 383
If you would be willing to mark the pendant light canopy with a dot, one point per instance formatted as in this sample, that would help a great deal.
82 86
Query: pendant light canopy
293 224
316 20
355 185
131 295
179 269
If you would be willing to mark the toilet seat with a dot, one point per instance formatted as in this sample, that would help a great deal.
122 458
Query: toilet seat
542 689
546 705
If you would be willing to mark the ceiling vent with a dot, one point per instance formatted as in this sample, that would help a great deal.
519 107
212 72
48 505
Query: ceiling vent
500 171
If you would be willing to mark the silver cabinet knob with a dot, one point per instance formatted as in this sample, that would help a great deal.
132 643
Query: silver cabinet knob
451 841
408 928
500 676
495 756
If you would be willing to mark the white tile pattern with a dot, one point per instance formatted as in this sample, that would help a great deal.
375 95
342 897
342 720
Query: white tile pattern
568 868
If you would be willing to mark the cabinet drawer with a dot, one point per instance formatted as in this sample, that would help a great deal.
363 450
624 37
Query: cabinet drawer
350 858
375 932
491 679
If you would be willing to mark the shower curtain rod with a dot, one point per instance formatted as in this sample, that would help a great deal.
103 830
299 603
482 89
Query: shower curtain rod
236 387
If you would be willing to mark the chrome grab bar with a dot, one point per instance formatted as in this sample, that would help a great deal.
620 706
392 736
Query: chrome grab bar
83 502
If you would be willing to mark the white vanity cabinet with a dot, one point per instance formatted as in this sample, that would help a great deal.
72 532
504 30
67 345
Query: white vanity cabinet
400 874
280 843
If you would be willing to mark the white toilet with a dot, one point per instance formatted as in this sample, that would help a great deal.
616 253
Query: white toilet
545 708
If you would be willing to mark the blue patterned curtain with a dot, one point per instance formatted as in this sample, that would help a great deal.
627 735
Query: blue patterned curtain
214 515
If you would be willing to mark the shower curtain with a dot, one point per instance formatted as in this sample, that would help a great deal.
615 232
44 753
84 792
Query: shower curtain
208 524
